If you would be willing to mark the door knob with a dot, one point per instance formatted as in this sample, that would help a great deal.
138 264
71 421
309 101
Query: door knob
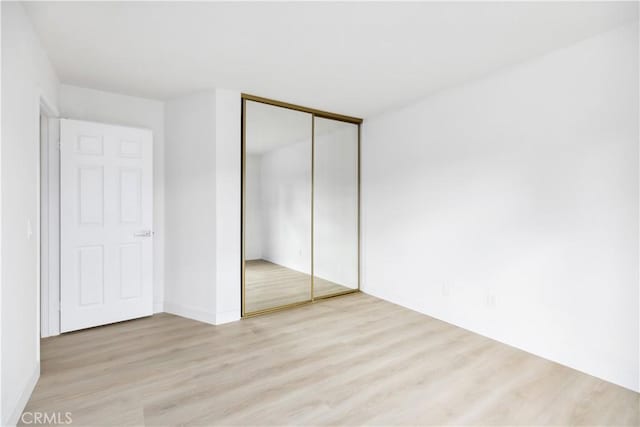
143 233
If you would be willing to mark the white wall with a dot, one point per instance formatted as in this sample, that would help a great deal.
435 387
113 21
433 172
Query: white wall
104 107
285 187
190 179
509 206
228 182
228 194
202 176
27 75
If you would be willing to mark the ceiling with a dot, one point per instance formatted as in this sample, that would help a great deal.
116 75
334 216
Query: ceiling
350 58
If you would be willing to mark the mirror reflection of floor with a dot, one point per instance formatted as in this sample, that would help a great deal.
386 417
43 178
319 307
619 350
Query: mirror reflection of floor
269 285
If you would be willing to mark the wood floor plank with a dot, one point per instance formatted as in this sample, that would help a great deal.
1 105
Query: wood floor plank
352 360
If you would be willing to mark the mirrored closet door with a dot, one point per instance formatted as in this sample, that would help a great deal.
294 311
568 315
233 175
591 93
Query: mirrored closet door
335 207
277 196
300 205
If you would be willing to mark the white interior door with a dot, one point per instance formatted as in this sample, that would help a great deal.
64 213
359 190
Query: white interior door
106 198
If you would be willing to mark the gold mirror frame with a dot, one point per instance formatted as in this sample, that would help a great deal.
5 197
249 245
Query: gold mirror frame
314 113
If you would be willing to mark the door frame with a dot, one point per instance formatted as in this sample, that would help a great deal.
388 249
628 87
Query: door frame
48 226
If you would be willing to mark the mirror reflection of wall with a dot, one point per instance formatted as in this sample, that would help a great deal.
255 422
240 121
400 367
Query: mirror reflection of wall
277 206
335 221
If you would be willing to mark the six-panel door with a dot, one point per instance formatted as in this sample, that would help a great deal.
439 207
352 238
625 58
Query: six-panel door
106 223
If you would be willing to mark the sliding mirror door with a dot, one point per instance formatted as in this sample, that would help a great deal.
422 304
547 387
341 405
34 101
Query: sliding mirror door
277 207
335 207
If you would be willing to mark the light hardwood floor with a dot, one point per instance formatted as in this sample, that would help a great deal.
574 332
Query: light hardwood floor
270 285
352 360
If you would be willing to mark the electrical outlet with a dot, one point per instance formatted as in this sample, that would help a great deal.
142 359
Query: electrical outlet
490 300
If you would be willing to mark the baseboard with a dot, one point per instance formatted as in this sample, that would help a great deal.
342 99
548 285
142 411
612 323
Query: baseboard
190 313
227 316
24 398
